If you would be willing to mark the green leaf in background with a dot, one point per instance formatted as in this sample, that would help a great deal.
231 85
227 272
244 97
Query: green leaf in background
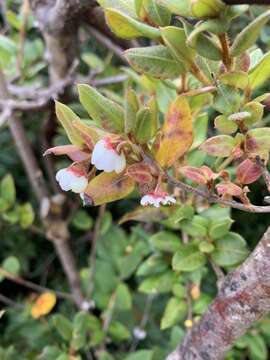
154 264
118 331
81 220
188 258
7 190
126 27
109 114
224 125
165 241
260 72
248 36
197 227
219 227
206 247
230 250
26 215
63 326
123 298
158 284
257 347
175 311
66 117
141 355
206 8
256 110
155 61
12 265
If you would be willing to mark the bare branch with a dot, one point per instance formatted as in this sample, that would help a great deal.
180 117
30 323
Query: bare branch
243 299
212 198
30 285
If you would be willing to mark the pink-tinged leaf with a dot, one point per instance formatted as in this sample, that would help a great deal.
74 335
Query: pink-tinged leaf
194 174
258 142
200 175
229 188
140 173
108 187
221 145
176 133
248 172
72 151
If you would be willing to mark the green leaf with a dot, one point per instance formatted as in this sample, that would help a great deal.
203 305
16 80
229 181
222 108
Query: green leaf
219 227
206 46
126 27
165 241
12 265
131 109
157 13
141 355
127 6
202 304
257 347
237 79
206 247
260 72
158 284
248 36
224 125
175 312
155 61
188 258
206 8
255 109
118 331
66 117
175 39
230 250
81 220
258 142
8 191
197 227
63 326
26 215
154 264
177 7
123 298
107 113
143 127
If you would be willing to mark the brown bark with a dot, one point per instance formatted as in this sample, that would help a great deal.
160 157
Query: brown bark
243 299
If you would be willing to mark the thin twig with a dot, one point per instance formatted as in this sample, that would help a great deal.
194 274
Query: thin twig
212 198
7 301
218 271
30 285
106 42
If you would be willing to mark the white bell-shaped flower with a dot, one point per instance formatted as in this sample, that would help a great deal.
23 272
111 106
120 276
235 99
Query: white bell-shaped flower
106 158
72 178
157 199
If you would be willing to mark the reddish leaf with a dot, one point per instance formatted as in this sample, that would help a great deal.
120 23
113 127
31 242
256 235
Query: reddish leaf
248 172
200 175
177 133
140 172
258 142
229 188
221 145
72 151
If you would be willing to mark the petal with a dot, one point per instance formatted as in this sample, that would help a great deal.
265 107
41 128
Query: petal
79 185
120 163
145 200
98 151
107 161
